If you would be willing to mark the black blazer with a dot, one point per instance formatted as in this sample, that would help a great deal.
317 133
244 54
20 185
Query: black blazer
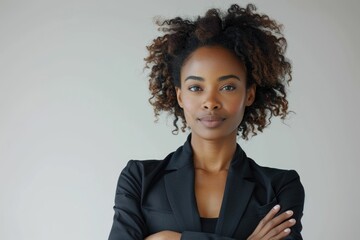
156 195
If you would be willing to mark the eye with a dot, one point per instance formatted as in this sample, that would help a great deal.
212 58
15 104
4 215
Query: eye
194 88
228 88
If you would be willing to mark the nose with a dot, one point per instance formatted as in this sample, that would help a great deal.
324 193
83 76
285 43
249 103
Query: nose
211 102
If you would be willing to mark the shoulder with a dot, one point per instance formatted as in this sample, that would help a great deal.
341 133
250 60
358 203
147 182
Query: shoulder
279 179
139 169
136 173
270 172
145 167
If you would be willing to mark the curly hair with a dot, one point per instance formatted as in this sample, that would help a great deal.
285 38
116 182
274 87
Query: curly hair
257 41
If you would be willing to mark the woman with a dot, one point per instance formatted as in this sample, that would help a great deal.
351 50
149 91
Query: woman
222 75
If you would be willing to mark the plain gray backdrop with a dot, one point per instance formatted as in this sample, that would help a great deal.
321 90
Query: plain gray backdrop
74 110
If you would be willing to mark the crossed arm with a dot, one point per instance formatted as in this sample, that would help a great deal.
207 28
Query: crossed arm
271 227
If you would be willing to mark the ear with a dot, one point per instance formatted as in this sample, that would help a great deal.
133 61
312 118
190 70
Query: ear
178 96
250 95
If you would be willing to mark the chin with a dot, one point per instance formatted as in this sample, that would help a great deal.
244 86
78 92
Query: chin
214 134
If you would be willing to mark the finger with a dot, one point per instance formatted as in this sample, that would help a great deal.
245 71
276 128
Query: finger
270 215
275 222
281 230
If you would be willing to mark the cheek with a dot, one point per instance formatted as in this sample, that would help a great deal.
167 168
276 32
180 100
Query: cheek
237 106
188 108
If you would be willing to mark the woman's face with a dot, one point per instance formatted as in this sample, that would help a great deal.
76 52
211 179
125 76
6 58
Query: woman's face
213 92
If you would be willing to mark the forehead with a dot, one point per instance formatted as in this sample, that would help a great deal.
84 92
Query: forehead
212 59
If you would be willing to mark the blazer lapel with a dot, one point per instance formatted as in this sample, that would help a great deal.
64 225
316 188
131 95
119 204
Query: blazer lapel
179 185
238 191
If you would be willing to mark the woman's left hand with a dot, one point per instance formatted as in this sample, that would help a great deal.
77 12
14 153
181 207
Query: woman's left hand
164 235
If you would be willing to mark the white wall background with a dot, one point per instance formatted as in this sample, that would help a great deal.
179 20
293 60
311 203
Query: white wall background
73 111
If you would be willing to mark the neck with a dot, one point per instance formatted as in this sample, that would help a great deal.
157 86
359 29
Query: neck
213 156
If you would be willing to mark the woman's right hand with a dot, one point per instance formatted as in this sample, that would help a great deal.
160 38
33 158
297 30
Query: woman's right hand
273 228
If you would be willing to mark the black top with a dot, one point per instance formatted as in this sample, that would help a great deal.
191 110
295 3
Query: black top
208 224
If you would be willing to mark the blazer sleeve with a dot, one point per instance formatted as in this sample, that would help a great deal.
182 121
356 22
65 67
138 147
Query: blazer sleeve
128 222
291 196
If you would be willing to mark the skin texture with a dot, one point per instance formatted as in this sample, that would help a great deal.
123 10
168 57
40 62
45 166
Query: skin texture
214 95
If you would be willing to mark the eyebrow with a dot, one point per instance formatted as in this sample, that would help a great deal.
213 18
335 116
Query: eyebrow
222 78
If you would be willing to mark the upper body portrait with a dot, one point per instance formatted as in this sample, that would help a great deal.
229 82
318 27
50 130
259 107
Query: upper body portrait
221 76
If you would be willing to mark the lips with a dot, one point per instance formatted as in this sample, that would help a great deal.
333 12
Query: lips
211 121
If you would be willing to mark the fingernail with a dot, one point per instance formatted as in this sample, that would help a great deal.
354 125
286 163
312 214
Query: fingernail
292 220
287 230
277 207
289 212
